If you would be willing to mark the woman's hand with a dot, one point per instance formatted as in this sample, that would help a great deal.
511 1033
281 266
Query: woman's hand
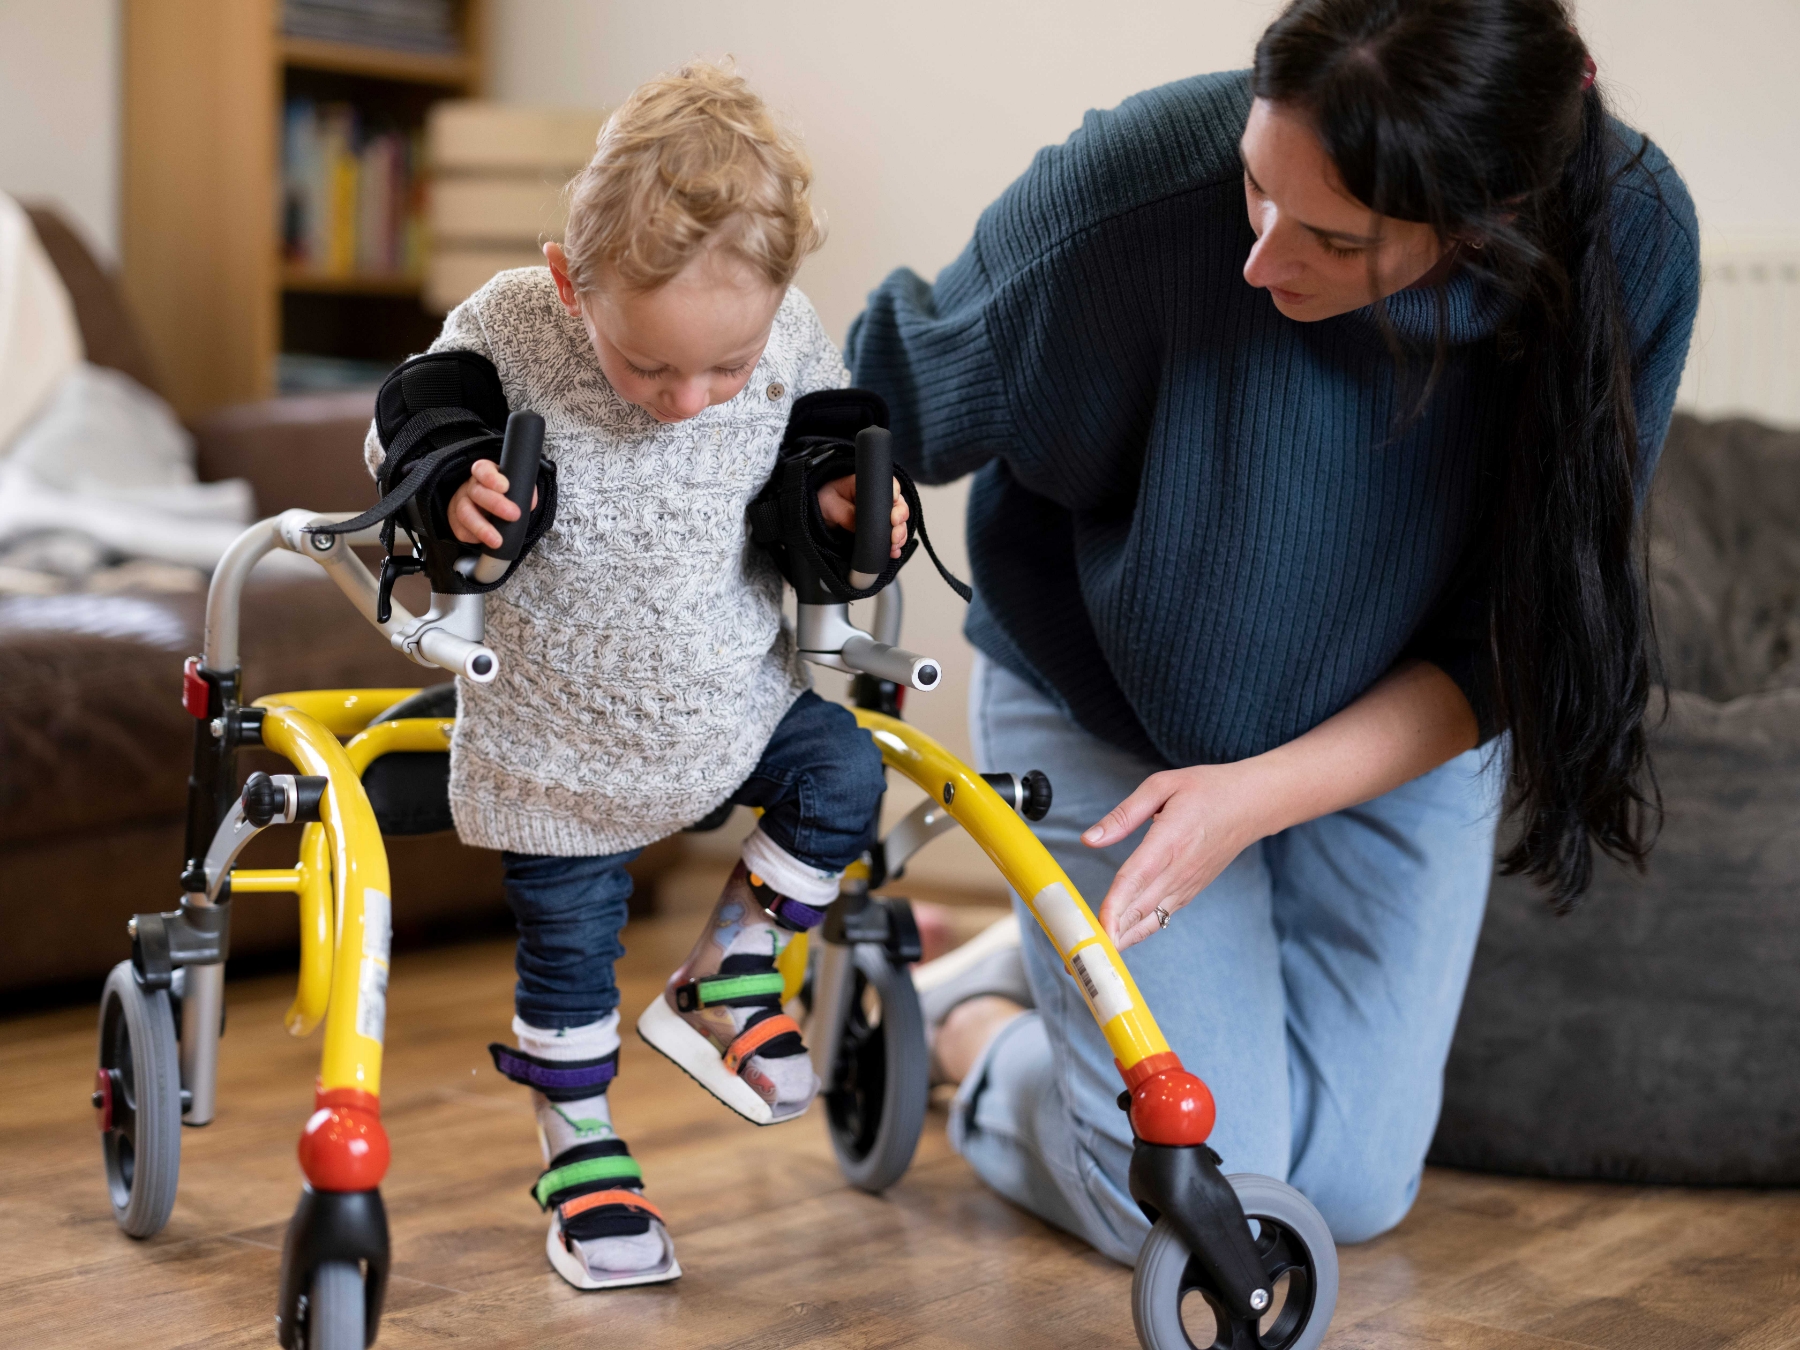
1201 818
481 496
1411 720
837 503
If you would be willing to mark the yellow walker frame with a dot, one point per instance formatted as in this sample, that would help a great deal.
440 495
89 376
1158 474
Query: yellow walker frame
341 880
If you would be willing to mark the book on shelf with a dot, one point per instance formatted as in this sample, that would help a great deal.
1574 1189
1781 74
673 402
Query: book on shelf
351 195
424 26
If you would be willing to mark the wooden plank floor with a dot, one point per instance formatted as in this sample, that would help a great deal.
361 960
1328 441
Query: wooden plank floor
778 1251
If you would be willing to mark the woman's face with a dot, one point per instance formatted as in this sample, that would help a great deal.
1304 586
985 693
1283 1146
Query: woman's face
1315 242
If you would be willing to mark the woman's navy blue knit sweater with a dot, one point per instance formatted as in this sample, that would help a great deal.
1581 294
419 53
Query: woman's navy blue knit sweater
1202 526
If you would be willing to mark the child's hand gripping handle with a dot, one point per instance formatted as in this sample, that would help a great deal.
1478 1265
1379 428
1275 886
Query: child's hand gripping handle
874 505
519 456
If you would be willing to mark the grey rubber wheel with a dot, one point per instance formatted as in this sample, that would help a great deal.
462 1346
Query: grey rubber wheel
1174 1307
876 1099
138 1093
335 1306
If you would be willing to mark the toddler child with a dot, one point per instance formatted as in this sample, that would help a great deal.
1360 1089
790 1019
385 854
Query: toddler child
646 678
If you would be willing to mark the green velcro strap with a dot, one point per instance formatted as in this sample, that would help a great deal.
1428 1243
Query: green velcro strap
575 1174
719 988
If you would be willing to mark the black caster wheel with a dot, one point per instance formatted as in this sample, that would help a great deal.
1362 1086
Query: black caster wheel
137 1091
875 1102
333 1315
1174 1308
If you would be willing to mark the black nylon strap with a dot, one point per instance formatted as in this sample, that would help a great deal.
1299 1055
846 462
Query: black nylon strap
911 493
420 425
422 476
790 517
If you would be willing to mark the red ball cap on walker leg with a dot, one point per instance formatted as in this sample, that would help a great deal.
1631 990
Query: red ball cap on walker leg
1169 1105
343 1147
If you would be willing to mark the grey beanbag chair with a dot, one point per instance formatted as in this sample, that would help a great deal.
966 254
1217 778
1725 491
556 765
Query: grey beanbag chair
1654 1034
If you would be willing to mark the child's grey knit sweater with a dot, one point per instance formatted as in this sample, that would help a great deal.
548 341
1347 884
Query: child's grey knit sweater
643 661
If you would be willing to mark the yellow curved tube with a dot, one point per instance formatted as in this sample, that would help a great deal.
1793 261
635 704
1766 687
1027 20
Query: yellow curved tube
1087 952
310 879
356 1007
400 735
313 995
342 712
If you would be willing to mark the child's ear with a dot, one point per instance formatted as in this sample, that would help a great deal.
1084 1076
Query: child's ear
559 272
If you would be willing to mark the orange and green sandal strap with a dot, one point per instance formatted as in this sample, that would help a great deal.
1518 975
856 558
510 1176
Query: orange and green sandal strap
755 1037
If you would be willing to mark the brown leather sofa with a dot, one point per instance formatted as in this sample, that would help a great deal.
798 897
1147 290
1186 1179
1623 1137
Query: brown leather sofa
95 745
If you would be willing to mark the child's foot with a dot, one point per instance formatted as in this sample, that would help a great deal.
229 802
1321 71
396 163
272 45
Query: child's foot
603 1233
720 1018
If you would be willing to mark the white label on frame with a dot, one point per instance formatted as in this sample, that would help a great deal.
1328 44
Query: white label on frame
1068 926
371 999
378 924
1106 992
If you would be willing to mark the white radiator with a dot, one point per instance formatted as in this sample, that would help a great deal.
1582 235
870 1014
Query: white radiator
1745 360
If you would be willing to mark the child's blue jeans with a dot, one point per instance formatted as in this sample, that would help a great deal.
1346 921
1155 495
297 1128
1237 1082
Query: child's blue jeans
819 784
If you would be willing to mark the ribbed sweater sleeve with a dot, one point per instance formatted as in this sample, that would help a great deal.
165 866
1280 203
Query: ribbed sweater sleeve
1039 342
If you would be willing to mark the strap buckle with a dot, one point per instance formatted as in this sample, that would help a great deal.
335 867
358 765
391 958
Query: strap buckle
393 567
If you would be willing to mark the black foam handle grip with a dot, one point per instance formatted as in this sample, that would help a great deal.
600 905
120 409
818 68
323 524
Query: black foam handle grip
874 500
519 456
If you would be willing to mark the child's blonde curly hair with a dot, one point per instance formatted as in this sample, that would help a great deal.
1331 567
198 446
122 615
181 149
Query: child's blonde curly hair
690 156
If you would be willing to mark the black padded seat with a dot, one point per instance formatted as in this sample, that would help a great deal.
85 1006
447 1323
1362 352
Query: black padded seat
410 790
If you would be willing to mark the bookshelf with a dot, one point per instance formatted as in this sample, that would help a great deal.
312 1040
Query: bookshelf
212 263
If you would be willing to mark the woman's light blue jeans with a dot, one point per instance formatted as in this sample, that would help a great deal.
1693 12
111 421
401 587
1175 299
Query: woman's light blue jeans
1314 986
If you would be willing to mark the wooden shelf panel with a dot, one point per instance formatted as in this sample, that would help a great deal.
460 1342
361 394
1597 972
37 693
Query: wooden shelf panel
361 283
381 63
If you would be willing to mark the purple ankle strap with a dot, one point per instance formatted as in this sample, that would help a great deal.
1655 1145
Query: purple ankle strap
559 1080
790 913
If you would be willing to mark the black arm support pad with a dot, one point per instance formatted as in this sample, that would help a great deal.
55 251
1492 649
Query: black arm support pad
874 500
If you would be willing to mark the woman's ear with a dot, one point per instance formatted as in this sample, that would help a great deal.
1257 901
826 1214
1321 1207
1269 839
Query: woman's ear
559 272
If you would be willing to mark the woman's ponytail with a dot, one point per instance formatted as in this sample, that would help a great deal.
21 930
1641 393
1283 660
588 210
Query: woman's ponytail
1573 650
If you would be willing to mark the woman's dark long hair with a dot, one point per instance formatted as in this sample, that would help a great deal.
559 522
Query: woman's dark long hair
1480 118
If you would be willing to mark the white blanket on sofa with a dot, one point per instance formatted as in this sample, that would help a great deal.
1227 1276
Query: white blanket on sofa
95 470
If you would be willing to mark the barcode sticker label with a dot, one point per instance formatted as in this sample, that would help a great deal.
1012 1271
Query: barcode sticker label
1060 914
1105 990
371 999
378 924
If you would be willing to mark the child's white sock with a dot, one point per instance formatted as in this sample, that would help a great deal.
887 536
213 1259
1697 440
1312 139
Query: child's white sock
583 1120
567 1124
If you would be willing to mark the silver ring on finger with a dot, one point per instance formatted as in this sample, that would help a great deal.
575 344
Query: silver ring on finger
1162 917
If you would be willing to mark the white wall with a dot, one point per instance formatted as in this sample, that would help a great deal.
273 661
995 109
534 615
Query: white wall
59 111
1714 84
917 115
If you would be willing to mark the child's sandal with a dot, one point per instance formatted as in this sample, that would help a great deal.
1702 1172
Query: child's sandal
720 1019
595 1192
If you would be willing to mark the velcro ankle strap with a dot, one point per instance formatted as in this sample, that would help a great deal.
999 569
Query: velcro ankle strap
615 1197
757 1035
791 913
561 1080
571 1179
731 991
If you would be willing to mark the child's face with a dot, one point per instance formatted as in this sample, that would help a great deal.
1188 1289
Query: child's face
685 346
